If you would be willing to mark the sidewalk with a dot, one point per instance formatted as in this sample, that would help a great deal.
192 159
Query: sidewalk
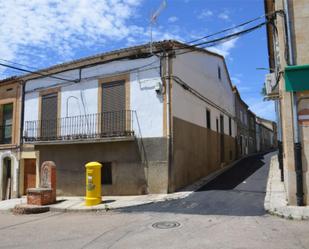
76 203
275 199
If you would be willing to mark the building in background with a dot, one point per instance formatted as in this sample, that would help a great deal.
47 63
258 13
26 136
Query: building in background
251 132
10 110
241 117
265 134
156 121
288 47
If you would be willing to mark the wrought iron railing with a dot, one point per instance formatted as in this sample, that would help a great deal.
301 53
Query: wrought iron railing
91 126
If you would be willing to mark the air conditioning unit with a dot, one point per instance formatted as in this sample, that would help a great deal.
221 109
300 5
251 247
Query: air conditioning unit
270 82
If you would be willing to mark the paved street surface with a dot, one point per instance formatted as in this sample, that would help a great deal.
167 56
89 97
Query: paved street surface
226 213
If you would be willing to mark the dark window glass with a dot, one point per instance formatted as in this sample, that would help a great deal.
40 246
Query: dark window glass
208 119
230 126
222 124
106 173
217 125
7 122
219 72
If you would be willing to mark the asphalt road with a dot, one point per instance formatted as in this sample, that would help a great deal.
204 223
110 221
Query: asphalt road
239 191
226 213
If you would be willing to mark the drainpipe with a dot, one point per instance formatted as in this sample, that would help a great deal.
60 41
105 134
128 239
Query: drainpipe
279 137
21 131
297 139
169 121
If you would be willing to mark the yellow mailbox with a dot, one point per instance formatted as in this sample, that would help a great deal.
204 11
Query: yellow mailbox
93 183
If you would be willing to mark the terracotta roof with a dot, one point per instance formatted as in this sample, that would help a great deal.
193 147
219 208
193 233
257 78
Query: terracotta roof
159 46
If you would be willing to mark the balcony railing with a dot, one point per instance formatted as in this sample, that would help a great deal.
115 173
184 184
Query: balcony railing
91 126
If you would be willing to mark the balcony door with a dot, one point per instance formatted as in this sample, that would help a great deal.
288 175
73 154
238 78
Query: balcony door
113 108
49 116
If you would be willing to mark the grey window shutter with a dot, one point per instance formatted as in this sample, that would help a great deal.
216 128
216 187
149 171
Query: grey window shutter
49 116
113 108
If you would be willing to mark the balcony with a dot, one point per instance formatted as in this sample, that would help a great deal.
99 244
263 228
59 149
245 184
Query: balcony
92 127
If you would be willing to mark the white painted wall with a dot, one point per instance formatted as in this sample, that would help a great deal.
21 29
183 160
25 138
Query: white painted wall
200 71
82 98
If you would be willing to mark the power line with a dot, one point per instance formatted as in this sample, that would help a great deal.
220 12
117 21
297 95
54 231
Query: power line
214 42
24 65
37 73
231 28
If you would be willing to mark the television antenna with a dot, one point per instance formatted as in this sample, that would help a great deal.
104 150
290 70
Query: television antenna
153 19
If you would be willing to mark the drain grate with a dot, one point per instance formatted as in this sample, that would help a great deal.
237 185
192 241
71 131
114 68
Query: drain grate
166 224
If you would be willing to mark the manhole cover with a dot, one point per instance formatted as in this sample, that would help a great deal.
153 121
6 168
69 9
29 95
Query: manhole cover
166 224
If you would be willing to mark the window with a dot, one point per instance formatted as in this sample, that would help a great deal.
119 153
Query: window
245 119
217 124
219 72
230 126
208 119
106 173
221 124
6 123
49 114
113 107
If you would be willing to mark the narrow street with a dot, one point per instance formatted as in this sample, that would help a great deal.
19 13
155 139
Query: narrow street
226 213
240 191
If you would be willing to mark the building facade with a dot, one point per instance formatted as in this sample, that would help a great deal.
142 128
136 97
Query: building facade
242 120
10 110
265 134
156 122
288 55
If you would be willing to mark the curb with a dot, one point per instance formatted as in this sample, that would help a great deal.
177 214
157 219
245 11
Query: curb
275 202
181 194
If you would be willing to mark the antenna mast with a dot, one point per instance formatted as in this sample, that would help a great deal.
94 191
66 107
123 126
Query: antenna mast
154 18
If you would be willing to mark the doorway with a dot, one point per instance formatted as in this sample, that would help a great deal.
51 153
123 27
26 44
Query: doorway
29 174
6 178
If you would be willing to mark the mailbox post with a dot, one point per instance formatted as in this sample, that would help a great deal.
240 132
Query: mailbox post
93 184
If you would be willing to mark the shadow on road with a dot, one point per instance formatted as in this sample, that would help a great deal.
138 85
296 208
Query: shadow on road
235 175
240 191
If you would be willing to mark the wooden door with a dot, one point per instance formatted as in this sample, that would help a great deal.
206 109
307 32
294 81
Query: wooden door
29 174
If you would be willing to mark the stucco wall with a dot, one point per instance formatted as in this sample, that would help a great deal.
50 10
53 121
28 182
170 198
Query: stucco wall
129 175
200 71
197 152
82 98
299 14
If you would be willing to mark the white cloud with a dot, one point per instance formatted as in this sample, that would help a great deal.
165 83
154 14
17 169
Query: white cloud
173 19
264 109
224 48
235 80
205 13
224 15
62 26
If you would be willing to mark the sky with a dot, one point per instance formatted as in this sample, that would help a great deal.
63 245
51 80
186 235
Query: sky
40 33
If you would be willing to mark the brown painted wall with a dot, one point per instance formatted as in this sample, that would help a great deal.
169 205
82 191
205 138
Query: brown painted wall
129 175
196 152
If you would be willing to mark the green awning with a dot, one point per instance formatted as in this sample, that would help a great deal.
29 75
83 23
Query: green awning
296 78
